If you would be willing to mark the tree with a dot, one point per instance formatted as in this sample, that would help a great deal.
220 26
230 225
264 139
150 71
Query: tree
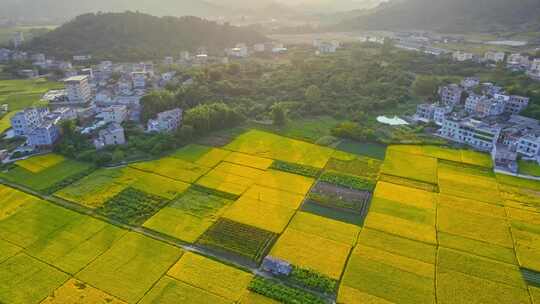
118 156
279 114
313 94
425 86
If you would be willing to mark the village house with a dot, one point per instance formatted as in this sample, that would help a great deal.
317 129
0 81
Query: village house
462 56
113 114
472 132
78 91
450 94
5 55
495 57
165 122
112 135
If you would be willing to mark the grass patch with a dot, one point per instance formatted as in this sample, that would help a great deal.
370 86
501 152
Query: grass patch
407 196
247 160
39 163
456 287
310 251
313 280
263 215
84 293
474 226
472 206
401 227
239 239
295 168
347 181
212 276
24 279
411 166
274 196
373 150
125 271
283 293
365 167
326 228
386 282
76 244
132 206
47 177
268 145
397 245
34 221
189 216
528 168
173 168
333 213
403 211
169 290
409 183
286 182
449 259
479 248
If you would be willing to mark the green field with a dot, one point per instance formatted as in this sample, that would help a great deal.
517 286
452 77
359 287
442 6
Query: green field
46 178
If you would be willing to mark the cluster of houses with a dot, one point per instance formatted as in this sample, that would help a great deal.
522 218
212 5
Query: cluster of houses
485 117
99 106
241 50
326 47
515 62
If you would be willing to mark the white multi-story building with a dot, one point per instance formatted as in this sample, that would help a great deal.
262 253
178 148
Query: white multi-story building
494 56
462 56
529 146
113 114
139 80
471 132
432 112
483 106
517 61
515 104
450 94
78 90
45 135
113 135
25 121
166 122
5 55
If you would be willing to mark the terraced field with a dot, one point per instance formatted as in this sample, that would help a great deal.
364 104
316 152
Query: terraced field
426 225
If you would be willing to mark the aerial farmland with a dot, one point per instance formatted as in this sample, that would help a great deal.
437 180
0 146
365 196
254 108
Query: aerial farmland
270 219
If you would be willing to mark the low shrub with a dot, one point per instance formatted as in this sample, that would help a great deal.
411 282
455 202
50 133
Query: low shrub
283 293
348 181
313 280
295 168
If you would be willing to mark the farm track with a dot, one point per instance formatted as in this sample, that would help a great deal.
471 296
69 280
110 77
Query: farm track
159 237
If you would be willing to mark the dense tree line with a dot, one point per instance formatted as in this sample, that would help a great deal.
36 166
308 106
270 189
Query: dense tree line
136 36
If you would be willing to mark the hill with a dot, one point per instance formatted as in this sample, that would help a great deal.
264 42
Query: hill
137 36
450 16
63 10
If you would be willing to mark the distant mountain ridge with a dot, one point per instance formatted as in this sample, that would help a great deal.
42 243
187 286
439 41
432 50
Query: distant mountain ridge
64 10
136 36
450 15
